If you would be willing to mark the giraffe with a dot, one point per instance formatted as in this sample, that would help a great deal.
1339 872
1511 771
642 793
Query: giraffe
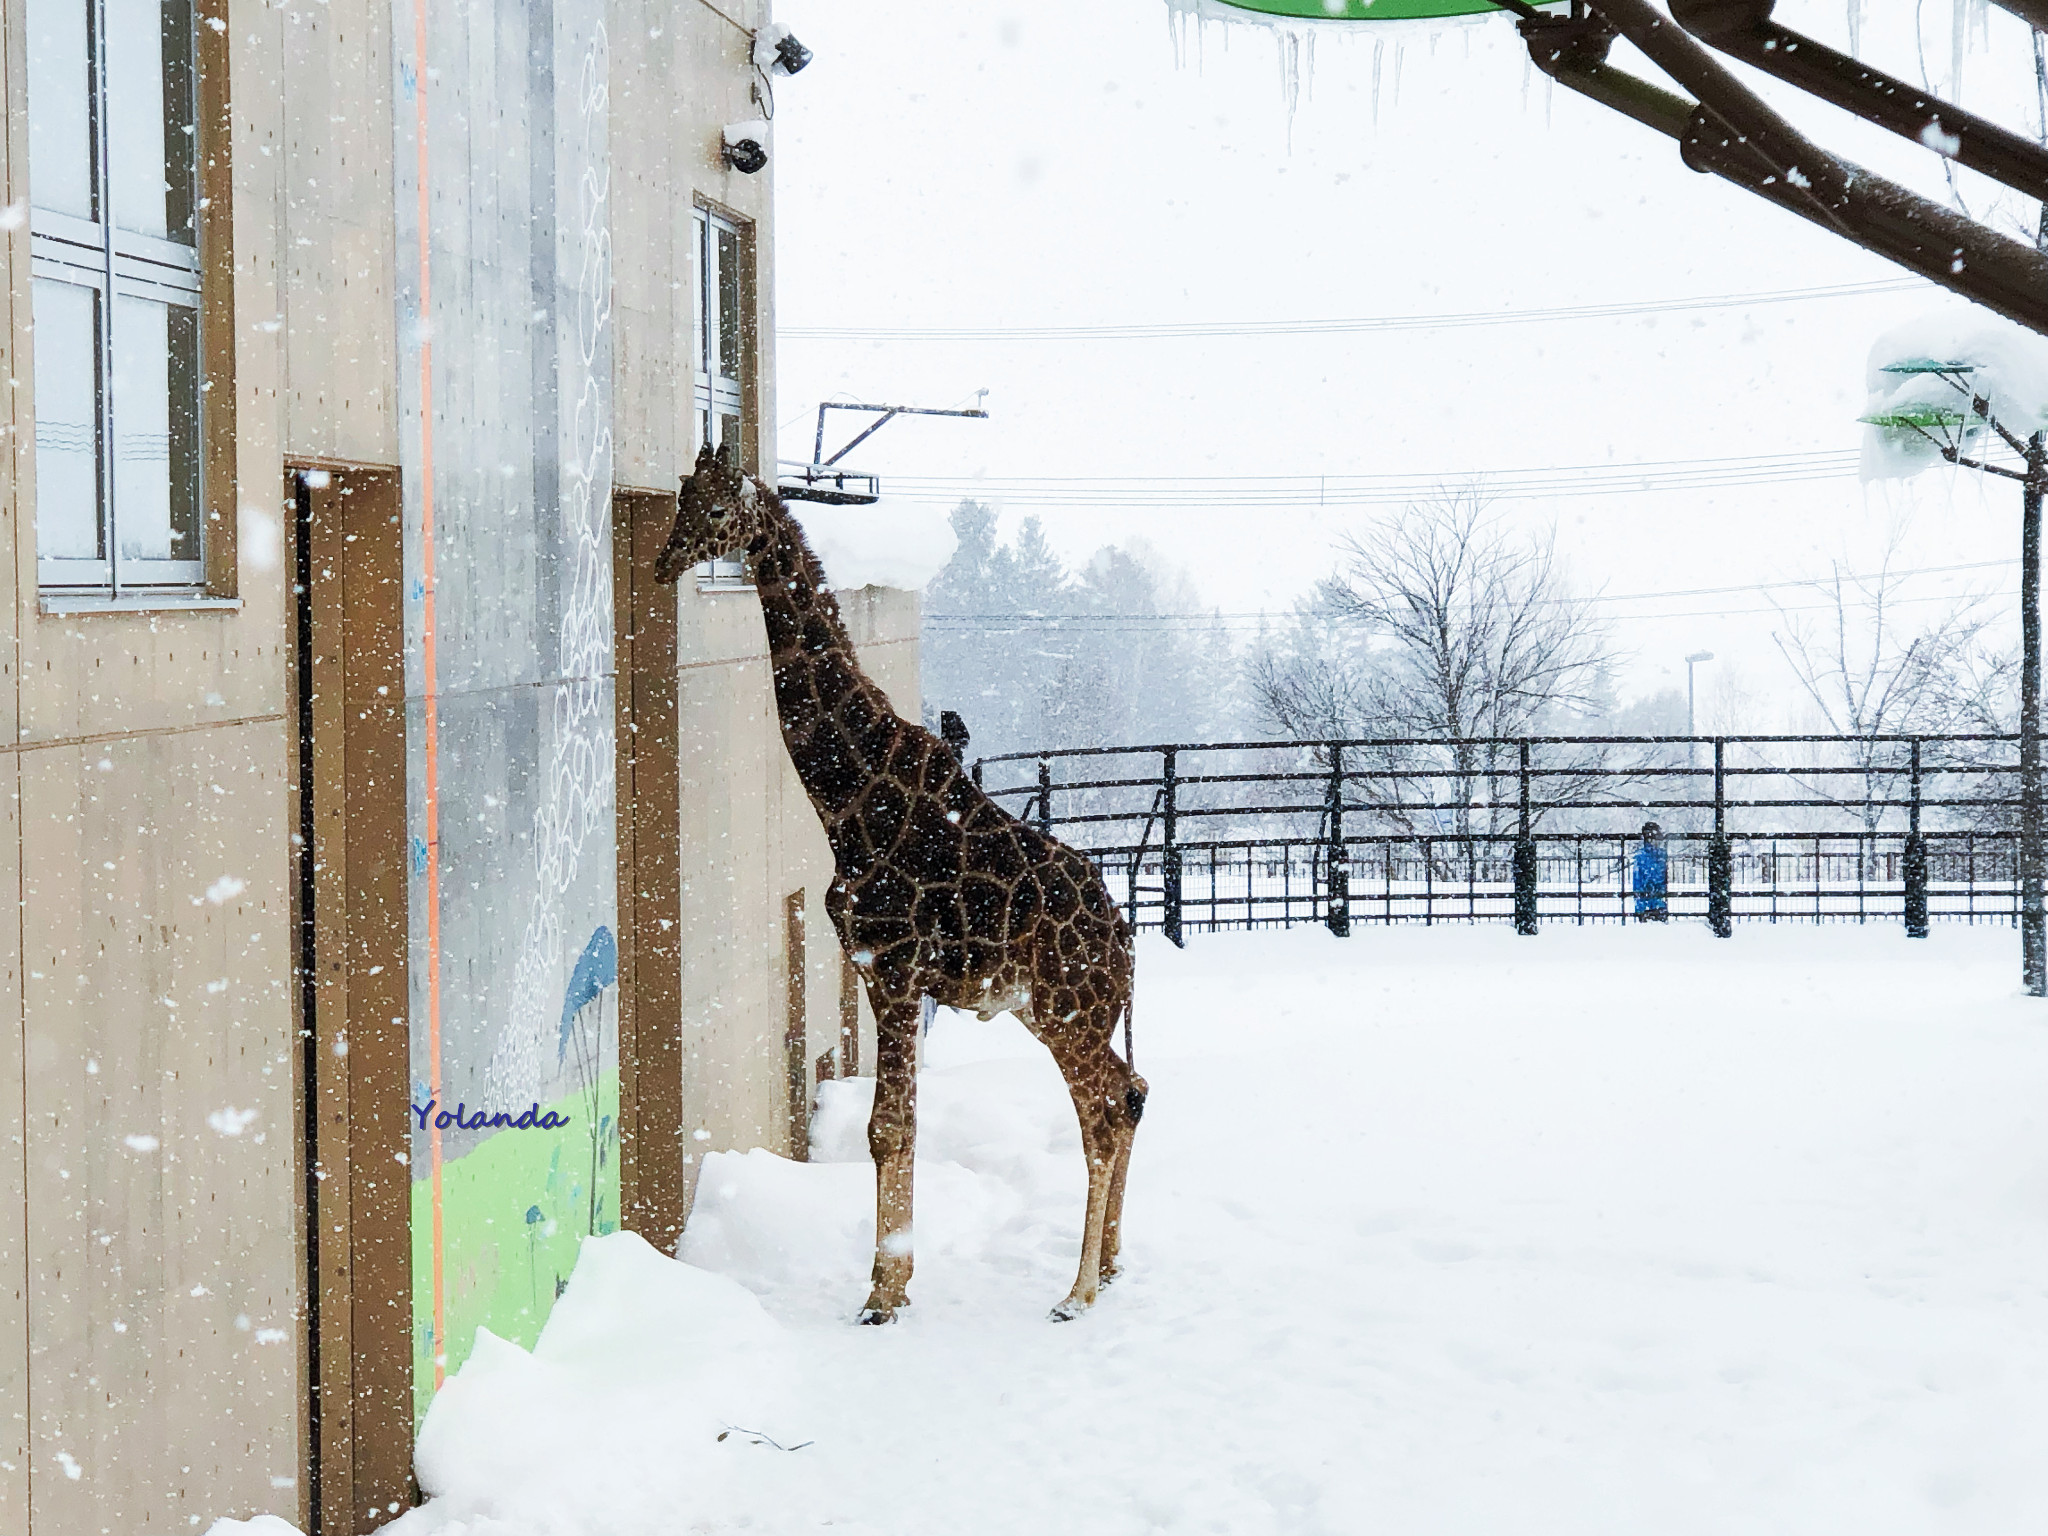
937 890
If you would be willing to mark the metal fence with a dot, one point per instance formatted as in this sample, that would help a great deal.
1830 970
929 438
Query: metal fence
1534 830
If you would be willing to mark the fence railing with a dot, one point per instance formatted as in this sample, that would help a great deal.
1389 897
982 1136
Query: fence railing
1532 830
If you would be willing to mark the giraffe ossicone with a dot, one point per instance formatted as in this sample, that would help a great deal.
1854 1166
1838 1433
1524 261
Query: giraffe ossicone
937 891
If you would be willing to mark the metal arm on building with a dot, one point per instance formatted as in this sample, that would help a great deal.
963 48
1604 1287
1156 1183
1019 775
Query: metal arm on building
820 481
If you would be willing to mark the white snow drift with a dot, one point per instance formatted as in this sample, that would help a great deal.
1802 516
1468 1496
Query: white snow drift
1606 1232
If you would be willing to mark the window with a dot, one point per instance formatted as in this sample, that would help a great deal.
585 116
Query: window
114 204
722 379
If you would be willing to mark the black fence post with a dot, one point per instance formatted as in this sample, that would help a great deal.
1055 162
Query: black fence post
1045 797
977 773
1915 862
1720 857
1525 862
1337 911
1170 855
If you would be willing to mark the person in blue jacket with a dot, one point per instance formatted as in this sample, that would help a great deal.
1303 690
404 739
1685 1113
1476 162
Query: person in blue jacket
1652 870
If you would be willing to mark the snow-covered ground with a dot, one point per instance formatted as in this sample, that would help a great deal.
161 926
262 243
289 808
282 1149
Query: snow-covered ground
1430 1231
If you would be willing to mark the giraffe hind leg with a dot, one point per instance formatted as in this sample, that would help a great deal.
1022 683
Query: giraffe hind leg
1113 1217
1108 1098
1100 1151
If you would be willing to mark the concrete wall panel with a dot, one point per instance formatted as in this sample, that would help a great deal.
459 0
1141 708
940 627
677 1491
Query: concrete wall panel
161 1123
679 74
16 462
740 794
341 347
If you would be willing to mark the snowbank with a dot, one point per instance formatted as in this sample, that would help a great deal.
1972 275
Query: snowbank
1433 1231
2008 366
999 1172
643 1363
899 544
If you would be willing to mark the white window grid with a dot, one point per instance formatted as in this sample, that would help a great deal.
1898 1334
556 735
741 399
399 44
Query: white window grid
123 375
720 392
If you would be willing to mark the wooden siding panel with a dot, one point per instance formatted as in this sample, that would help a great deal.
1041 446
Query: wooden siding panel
650 893
379 1038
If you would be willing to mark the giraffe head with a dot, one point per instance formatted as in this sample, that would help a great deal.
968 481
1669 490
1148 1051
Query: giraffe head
718 511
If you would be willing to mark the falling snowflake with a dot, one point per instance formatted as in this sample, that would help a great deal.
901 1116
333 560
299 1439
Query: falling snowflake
231 1121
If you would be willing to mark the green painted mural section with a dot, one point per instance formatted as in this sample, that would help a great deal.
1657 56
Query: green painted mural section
514 1211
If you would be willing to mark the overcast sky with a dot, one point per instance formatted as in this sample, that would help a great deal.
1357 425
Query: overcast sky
1091 163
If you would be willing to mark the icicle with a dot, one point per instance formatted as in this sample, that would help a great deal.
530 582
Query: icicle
1958 12
1294 42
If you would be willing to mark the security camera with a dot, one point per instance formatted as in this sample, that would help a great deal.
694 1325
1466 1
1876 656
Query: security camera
777 52
745 148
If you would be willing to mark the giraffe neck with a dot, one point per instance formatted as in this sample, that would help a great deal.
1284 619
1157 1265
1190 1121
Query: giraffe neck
837 724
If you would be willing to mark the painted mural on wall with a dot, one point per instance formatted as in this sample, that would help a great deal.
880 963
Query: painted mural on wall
505 310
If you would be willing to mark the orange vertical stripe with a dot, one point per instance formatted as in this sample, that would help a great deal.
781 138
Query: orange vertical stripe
430 705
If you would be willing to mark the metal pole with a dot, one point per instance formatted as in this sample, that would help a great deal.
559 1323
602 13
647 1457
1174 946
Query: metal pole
1045 797
1170 860
1915 871
1720 858
1692 748
1525 862
1337 912
2033 941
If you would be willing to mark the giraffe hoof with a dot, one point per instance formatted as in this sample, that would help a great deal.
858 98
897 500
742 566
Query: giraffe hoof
1109 1274
1068 1310
878 1312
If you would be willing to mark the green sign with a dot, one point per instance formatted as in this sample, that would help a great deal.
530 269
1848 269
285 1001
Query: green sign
1365 10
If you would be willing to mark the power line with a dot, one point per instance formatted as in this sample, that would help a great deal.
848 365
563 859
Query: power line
1239 622
1456 321
1243 491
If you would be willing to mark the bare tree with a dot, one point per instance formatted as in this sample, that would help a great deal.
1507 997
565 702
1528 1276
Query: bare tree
1869 676
1439 625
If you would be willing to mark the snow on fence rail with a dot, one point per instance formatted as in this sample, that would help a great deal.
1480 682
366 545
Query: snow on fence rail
1537 829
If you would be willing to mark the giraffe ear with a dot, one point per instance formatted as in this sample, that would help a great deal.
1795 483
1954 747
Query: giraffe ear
728 455
705 458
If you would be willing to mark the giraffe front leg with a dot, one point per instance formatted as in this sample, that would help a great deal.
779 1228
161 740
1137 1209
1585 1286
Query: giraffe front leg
892 1142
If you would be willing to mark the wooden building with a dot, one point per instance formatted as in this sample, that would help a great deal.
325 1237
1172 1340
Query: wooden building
360 785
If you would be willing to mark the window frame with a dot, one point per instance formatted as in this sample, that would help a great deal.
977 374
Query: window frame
723 353
112 263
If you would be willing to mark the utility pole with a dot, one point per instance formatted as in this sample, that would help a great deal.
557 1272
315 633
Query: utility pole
2033 932
1948 432
1692 748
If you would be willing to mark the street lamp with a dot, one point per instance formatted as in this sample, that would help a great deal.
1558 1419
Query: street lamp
1692 748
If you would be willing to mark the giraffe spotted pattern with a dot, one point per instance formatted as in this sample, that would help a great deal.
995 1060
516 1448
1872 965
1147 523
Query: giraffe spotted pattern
938 891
